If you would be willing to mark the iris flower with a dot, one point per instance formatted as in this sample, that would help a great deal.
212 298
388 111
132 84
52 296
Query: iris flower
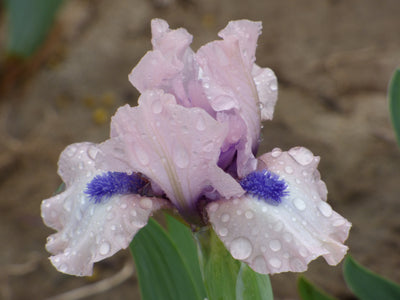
190 146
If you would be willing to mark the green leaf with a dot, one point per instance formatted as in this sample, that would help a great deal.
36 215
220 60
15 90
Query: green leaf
226 278
219 269
308 291
29 21
182 236
366 285
394 103
252 286
162 272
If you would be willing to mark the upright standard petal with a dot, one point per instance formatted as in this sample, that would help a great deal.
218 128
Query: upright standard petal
285 236
232 82
170 66
90 231
176 147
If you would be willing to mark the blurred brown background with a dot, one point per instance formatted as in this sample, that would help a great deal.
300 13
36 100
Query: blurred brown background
333 60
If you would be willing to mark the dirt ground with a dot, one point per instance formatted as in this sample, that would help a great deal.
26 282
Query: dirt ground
333 60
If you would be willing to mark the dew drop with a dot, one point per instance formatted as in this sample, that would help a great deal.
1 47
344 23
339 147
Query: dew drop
208 147
276 152
63 268
200 124
225 218
181 157
146 203
325 209
299 203
71 151
133 213
156 107
113 227
110 216
223 231
302 155
213 207
287 237
81 166
92 152
249 214
278 226
259 265
275 245
288 170
142 155
104 248
275 262
123 205
273 86
241 248
239 212
67 206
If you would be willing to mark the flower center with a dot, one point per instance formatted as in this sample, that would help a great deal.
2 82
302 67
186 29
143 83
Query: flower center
265 185
109 184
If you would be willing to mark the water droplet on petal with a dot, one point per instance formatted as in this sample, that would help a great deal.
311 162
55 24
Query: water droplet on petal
299 203
213 207
156 107
123 205
133 213
104 248
241 248
208 147
275 262
71 151
275 245
288 170
200 124
302 155
223 231
110 216
287 237
142 155
63 268
276 152
259 264
146 203
325 209
225 218
181 157
249 214
273 86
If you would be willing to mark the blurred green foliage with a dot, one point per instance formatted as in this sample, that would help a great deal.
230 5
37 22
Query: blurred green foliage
29 22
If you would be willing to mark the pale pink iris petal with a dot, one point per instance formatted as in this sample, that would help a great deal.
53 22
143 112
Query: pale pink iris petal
89 232
176 147
232 81
286 237
170 66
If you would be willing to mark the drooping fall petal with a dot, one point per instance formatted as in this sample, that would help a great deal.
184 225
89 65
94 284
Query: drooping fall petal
175 147
87 231
286 236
